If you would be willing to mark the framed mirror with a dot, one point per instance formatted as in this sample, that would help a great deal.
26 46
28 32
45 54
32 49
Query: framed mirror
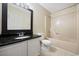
16 19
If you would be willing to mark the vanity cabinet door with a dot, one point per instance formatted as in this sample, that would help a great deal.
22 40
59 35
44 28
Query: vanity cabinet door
16 49
34 47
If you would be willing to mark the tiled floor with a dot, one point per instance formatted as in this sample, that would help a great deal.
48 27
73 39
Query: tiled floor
55 51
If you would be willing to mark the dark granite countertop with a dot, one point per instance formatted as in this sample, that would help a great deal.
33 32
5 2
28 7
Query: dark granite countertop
7 40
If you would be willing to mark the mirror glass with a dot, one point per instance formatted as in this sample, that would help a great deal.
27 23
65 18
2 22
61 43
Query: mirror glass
18 18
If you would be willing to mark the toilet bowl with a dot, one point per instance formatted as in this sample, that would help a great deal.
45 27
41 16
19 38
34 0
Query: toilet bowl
46 43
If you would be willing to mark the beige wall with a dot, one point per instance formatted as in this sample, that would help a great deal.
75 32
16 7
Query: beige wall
40 14
48 25
78 28
64 29
64 24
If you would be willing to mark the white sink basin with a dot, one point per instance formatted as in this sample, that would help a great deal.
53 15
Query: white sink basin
22 37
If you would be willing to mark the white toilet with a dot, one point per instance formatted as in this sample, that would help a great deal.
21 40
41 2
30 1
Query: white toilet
46 44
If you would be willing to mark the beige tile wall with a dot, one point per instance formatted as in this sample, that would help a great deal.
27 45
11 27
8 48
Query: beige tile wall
64 26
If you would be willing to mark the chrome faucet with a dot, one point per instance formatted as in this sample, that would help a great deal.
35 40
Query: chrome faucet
21 34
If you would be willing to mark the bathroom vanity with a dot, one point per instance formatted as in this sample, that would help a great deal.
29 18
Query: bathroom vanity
9 46
17 38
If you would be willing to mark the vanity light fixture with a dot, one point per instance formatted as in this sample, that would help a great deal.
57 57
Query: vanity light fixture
22 5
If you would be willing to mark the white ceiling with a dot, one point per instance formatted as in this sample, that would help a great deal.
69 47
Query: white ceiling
54 7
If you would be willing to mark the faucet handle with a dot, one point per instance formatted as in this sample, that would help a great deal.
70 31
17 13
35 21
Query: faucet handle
22 33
